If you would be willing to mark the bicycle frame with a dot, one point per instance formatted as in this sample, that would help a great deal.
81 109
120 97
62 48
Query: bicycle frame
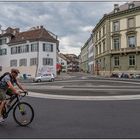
5 115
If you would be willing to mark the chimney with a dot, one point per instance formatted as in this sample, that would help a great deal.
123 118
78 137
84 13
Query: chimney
41 27
116 8
17 30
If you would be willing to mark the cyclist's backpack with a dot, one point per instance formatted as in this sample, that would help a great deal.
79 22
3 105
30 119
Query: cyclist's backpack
6 73
11 79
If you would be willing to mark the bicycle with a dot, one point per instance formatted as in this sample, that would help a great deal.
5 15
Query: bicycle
23 112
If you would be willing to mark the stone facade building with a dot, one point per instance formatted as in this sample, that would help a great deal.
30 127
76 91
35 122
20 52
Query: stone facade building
116 40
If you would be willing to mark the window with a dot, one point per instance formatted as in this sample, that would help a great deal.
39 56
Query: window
100 34
131 41
116 43
3 41
116 60
13 50
25 48
131 23
33 61
47 47
116 26
100 48
13 63
3 51
131 60
103 46
96 36
104 63
48 61
34 47
23 62
19 49
103 30
96 47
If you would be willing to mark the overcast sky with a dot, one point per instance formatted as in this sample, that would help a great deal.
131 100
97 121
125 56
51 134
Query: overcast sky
71 21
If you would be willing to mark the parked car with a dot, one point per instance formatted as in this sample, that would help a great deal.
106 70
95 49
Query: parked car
114 75
125 75
137 76
45 77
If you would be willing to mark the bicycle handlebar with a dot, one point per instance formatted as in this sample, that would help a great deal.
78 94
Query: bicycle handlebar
25 93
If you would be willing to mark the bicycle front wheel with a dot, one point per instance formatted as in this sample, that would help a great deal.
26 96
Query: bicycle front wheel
23 114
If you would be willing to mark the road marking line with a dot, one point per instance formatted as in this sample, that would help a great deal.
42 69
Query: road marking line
85 98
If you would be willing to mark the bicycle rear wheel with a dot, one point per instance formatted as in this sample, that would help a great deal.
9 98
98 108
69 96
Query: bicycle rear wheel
23 114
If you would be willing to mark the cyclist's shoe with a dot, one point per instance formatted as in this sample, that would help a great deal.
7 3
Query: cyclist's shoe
1 119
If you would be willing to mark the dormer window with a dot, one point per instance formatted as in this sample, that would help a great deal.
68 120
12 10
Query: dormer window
131 5
116 8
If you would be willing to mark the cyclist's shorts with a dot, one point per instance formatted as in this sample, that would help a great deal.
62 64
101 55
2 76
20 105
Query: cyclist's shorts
9 92
2 95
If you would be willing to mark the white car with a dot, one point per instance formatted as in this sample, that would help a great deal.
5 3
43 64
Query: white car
44 77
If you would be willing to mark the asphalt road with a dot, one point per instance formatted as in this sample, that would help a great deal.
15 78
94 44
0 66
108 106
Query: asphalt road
87 87
78 119
63 118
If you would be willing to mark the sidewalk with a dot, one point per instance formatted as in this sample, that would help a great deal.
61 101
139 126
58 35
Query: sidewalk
64 76
70 75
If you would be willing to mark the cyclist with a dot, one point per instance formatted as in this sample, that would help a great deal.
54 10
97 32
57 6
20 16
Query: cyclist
6 83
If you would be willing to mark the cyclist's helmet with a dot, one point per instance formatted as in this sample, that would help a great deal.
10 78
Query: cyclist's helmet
15 71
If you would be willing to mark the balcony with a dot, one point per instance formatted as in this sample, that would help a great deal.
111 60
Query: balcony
121 51
125 50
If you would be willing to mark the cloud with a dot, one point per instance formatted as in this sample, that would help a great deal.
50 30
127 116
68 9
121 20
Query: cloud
87 28
71 21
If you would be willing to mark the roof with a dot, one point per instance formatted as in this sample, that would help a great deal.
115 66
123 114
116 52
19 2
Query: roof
122 8
126 6
40 34
62 56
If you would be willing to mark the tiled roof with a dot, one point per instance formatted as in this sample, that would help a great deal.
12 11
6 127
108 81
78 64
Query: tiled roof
40 34
126 6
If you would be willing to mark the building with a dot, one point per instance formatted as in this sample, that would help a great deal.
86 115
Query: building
72 63
91 61
116 40
84 58
32 52
63 61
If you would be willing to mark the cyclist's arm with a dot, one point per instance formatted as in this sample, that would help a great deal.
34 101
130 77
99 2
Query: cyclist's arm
19 85
12 87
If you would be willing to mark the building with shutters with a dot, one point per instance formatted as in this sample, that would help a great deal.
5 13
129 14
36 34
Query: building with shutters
32 52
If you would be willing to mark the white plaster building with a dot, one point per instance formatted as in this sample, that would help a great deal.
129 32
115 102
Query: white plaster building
63 61
32 52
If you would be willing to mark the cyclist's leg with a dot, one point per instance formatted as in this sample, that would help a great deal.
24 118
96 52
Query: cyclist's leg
10 94
3 101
